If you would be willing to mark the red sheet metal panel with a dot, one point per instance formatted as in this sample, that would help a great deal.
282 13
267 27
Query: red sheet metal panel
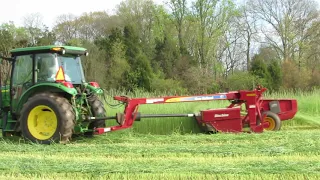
225 119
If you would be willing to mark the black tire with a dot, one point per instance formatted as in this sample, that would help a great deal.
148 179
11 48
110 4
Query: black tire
62 109
274 118
98 110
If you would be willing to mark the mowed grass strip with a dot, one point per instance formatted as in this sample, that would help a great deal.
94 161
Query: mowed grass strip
286 164
162 176
289 141
119 154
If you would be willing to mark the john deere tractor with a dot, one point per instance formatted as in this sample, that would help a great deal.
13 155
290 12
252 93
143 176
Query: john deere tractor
45 97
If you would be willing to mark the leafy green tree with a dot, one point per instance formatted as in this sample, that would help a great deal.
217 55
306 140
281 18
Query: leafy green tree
293 77
196 80
274 70
117 67
6 41
166 55
94 65
259 70
127 65
47 37
12 36
212 20
241 80
267 66
179 12
35 29
141 71
66 28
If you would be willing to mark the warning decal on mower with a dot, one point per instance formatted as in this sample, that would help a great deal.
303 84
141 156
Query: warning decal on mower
150 101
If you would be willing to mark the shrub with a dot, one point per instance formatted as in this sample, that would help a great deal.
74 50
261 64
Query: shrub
243 80
167 86
293 77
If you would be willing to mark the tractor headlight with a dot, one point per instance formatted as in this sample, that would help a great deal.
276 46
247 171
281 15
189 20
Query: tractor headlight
86 54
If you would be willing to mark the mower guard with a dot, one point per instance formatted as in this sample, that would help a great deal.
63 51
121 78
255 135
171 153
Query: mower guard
285 108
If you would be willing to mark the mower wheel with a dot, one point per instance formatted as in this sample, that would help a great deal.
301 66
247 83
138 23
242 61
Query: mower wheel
47 118
273 120
98 110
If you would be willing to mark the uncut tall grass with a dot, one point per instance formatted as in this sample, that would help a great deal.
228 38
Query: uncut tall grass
308 107
308 114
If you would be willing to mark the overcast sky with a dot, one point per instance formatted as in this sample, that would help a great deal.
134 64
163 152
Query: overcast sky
14 10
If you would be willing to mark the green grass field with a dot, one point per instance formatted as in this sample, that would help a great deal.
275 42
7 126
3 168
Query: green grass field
174 149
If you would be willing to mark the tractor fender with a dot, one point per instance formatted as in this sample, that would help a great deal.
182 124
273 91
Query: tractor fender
96 90
44 87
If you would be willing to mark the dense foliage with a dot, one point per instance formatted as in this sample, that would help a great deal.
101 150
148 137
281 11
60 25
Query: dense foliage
182 46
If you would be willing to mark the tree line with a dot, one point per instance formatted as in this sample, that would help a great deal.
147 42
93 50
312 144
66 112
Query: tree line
183 46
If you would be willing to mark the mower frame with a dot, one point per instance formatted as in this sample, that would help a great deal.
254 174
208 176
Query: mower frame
227 119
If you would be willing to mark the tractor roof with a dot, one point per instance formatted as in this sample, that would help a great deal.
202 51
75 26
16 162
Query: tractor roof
46 49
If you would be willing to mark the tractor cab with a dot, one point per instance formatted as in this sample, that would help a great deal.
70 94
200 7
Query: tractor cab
50 64
54 64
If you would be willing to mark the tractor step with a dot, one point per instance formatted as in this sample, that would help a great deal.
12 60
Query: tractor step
10 125
12 121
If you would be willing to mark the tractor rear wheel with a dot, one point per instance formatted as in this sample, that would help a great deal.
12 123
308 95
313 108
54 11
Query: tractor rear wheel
273 120
47 118
98 110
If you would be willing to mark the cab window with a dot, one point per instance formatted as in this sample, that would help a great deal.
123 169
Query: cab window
23 70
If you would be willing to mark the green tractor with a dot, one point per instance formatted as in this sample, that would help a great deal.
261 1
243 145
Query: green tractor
45 97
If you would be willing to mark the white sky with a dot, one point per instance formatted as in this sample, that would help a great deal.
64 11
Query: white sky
15 10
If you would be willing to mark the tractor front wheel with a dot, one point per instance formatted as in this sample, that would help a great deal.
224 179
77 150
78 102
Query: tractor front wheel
47 118
273 120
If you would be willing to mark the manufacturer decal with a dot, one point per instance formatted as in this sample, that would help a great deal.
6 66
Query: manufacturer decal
221 115
203 98
252 106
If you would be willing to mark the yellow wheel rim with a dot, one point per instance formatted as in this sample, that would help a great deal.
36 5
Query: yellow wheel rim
42 122
272 123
